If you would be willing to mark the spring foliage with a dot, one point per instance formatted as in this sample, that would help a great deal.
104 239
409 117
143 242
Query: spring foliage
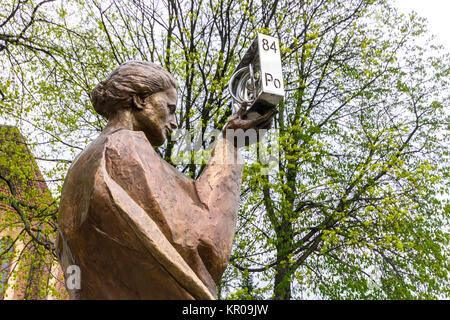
357 206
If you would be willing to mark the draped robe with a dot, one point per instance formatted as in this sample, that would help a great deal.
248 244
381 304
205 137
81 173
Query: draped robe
139 229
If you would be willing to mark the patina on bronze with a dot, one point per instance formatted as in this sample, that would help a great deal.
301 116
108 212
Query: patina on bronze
136 227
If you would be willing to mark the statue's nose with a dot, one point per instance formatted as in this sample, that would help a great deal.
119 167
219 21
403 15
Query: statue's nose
173 123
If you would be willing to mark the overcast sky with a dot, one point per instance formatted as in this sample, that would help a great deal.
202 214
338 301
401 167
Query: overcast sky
436 11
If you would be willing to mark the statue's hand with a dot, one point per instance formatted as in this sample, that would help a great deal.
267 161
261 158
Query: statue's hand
262 122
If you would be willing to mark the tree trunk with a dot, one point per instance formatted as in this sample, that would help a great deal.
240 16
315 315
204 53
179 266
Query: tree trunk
282 284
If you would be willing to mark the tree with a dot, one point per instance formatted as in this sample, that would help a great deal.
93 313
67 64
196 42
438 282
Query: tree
27 220
354 208
361 140
27 211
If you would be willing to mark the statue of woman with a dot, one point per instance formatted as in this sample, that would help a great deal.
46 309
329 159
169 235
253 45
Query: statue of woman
135 226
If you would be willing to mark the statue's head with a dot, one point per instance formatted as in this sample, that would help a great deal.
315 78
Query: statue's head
145 90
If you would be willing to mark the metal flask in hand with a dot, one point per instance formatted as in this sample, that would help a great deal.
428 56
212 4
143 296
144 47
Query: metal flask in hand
258 80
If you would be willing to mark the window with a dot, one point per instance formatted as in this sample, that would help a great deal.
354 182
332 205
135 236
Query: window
6 249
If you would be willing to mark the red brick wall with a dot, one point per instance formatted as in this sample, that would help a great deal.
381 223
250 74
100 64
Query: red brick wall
29 278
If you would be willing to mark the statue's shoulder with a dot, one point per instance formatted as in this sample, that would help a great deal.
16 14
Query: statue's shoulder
109 153
90 160
126 138
129 152
125 145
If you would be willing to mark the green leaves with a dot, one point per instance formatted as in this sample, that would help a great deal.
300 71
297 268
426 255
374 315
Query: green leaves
362 178
356 169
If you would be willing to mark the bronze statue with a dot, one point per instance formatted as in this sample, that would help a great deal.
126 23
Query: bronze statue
136 227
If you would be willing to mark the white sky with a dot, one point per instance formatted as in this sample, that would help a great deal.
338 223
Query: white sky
436 11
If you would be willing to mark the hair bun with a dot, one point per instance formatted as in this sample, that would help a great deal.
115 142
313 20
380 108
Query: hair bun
141 78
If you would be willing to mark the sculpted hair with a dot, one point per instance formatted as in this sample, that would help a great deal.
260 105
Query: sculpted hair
133 78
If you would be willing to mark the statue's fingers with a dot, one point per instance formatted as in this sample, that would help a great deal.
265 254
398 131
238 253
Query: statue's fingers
267 116
242 109
266 125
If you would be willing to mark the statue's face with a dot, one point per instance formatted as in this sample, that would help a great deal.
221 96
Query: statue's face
157 116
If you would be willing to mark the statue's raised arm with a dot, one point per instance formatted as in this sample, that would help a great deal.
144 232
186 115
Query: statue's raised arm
135 226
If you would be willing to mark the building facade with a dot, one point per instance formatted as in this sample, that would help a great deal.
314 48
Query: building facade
28 269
